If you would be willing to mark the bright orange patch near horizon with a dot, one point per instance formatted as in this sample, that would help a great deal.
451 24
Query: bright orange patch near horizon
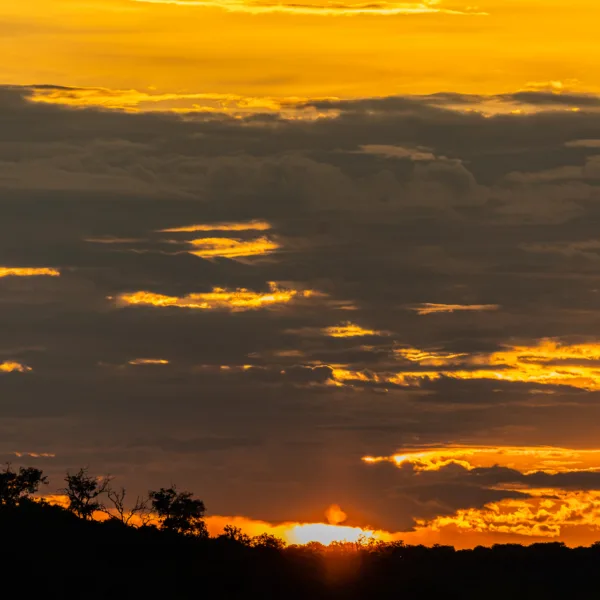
302 533
289 532
547 515
569 514
572 516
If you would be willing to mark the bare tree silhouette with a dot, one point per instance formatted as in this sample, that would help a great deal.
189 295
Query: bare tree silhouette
141 510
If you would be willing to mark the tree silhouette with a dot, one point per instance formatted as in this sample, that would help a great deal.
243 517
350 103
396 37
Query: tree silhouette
179 511
140 510
84 492
15 486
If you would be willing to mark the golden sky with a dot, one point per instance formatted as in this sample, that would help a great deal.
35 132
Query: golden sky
309 49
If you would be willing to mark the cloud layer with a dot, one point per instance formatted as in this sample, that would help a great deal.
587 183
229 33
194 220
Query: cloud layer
250 304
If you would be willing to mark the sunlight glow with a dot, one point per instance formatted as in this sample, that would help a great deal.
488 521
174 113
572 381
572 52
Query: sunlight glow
303 533
335 515
326 534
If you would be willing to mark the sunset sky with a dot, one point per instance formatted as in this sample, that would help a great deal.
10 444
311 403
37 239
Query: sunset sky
333 266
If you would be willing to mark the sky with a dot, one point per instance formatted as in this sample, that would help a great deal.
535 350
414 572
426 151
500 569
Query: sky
334 267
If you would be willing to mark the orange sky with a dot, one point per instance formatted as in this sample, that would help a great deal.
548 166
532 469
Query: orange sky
548 514
233 47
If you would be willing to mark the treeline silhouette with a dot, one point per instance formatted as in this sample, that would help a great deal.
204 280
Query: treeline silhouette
158 547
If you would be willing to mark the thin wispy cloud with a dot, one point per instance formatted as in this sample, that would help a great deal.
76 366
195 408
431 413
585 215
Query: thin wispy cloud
428 308
13 367
328 9
28 272
219 299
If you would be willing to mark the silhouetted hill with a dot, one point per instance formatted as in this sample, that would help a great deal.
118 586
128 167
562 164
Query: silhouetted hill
49 548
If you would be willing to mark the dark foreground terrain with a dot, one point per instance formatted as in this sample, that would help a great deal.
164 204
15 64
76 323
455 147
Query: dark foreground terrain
48 551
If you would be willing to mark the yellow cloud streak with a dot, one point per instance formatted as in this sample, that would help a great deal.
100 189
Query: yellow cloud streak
224 226
219 299
232 248
14 367
148 361
349 330
425 357
28 272
134 100
131 99
548 363
287 106
521 458
34 454
325 9
428 308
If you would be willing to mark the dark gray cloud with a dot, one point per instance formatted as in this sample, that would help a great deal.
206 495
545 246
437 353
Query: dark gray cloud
383 206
